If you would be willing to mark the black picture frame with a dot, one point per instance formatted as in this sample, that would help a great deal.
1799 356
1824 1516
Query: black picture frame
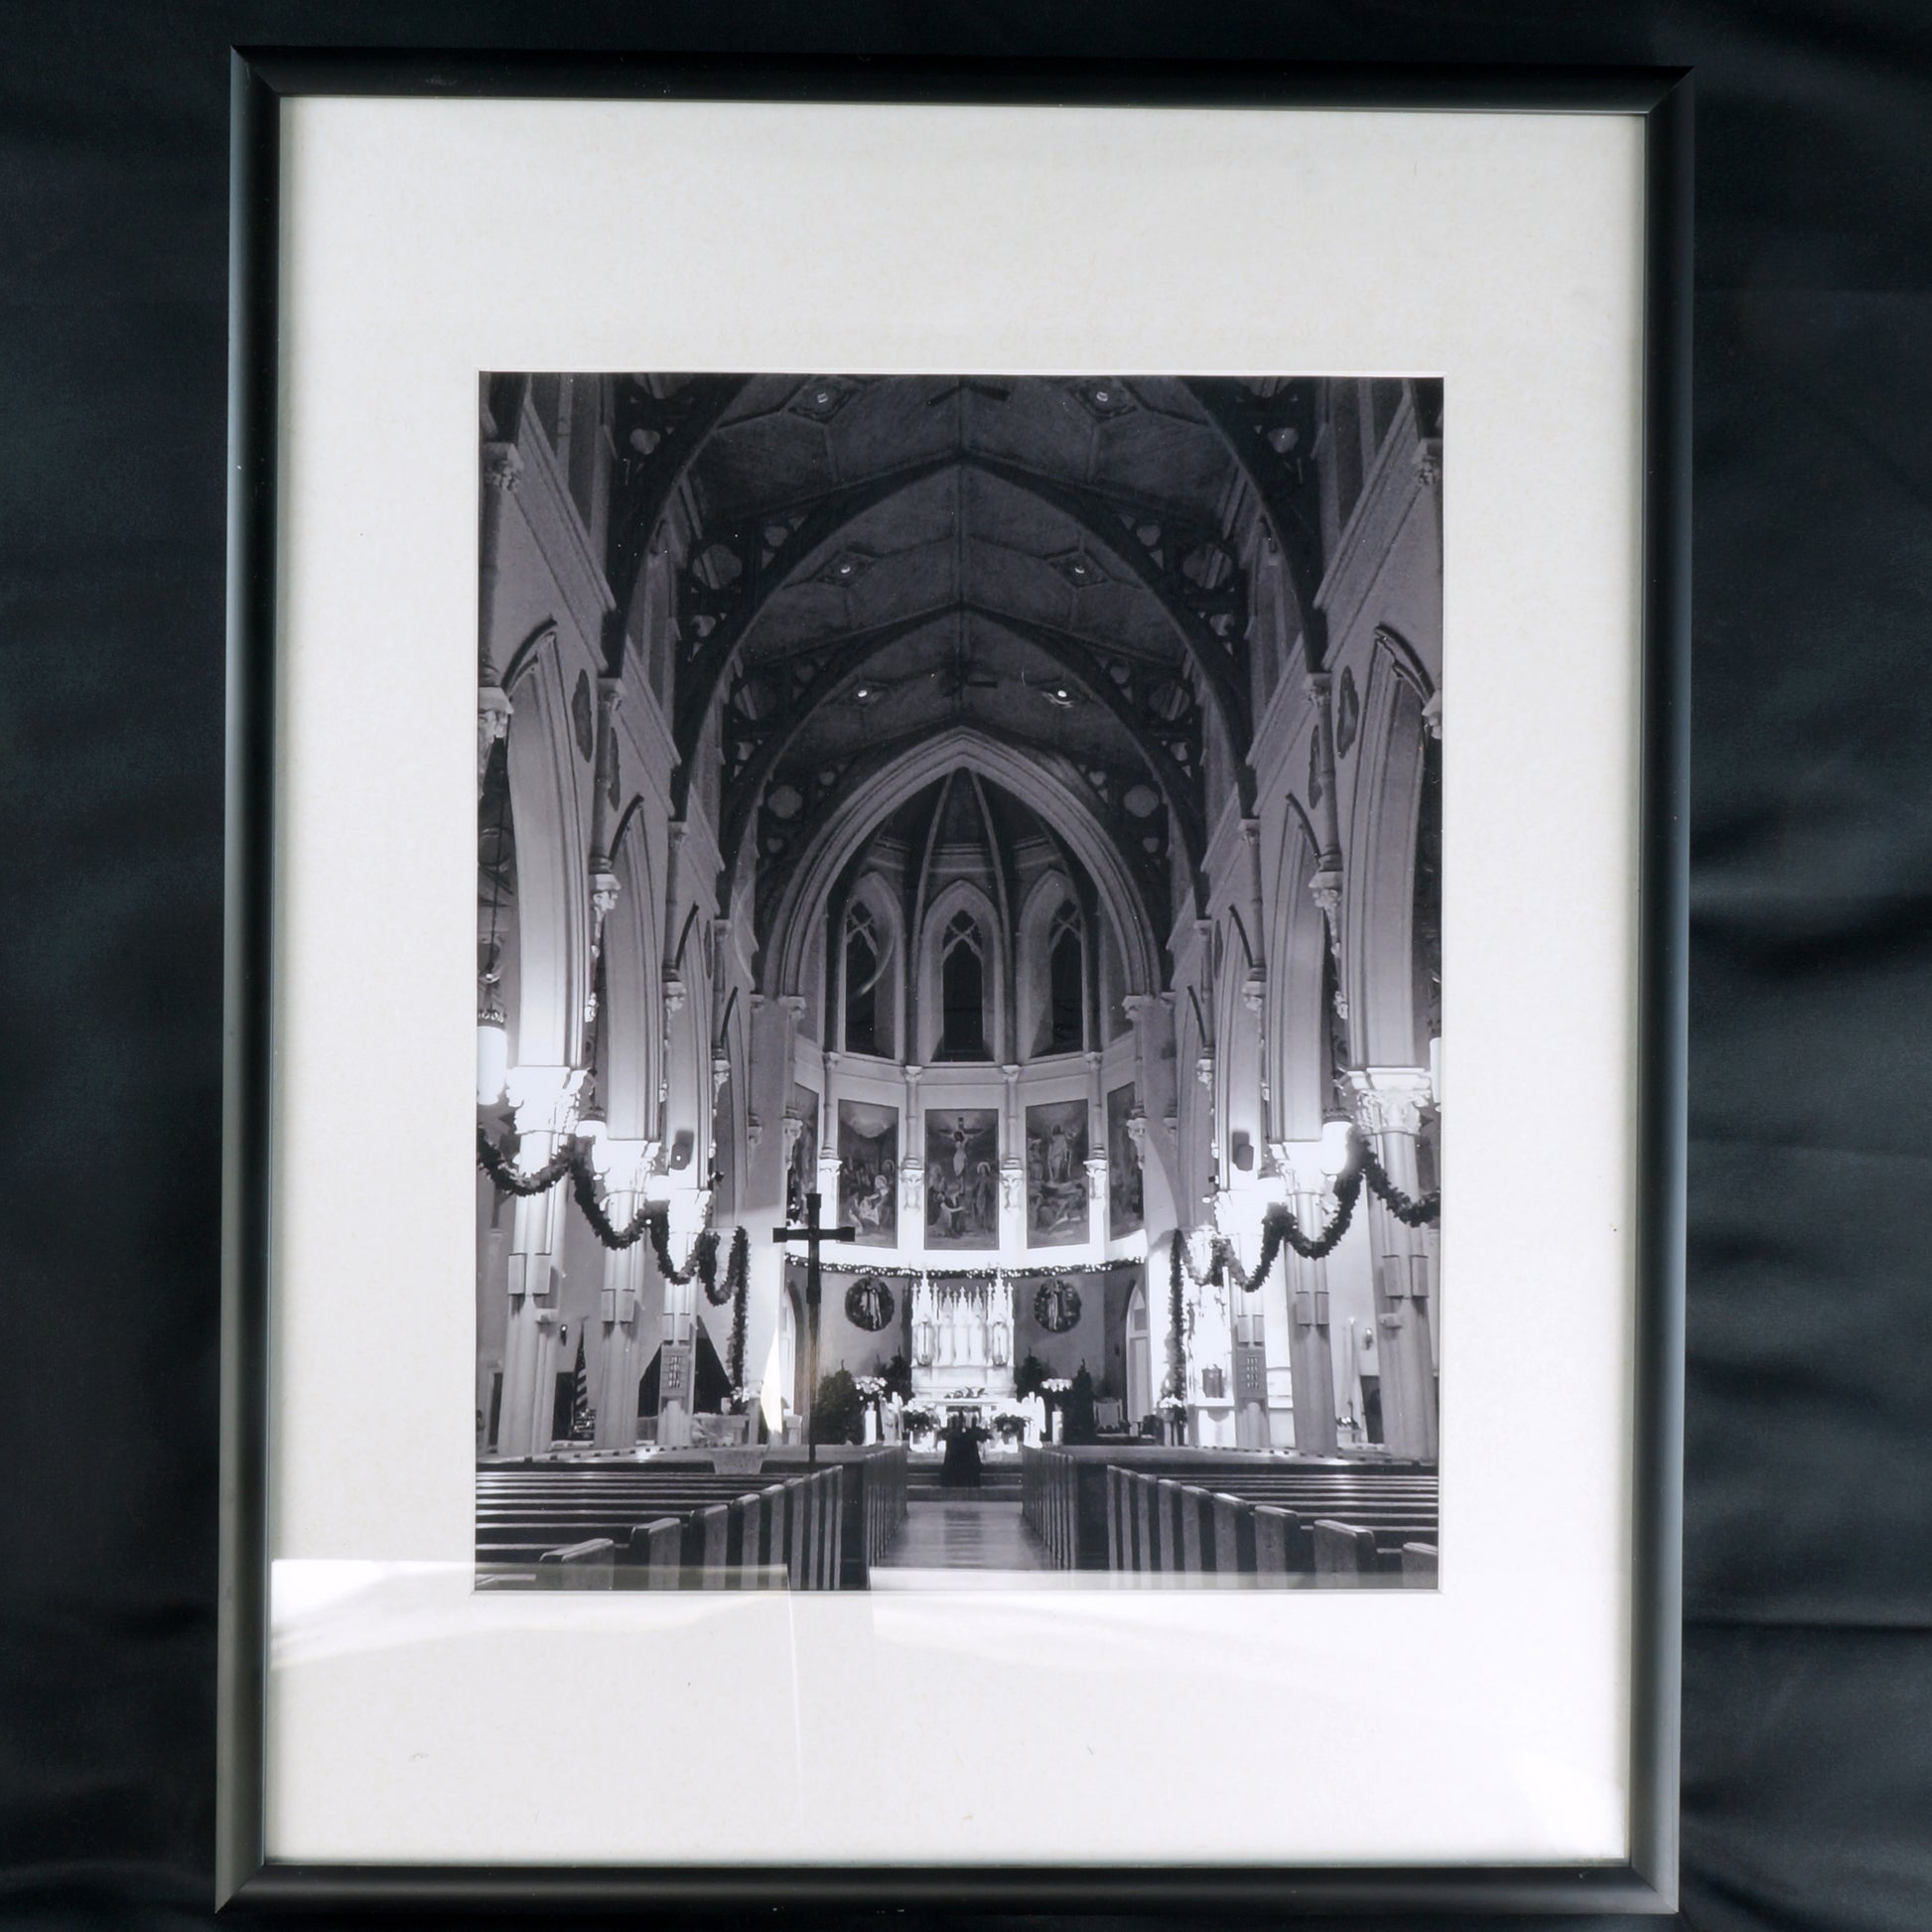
1647 1882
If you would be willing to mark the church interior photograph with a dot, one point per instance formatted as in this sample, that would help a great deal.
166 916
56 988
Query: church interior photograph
959 1072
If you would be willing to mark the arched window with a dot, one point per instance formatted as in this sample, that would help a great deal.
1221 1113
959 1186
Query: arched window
1066 983
962 991
868 1012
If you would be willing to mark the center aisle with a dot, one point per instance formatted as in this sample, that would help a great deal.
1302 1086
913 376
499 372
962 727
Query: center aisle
962 1533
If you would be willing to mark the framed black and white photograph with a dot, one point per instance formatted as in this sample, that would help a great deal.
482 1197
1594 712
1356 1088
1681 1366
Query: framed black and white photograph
957 985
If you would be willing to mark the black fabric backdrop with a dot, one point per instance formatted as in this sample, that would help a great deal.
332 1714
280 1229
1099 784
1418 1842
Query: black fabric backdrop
1808 1699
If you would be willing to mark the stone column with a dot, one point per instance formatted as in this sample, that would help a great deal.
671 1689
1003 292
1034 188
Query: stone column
1325 887
1388 1106
1097 1152
678 1326
543 1103
626 1168
912 1166
1429 474
1253 990
1310 1351
1012 1165
502 471
1237 1217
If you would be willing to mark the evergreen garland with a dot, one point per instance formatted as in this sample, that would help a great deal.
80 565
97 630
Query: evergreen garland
1280 1227
573 1159
737 1276
1174 1384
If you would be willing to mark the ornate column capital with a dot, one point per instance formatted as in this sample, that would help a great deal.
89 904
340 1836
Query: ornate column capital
1096 1166
790 1129
544 1099
1428 462
793 1003
720 1071
626 1168
1389 1099
1204 1070
502 467
1136 1132
604 894
1013 1181
492 723
1317 684
1253 990
1137 1005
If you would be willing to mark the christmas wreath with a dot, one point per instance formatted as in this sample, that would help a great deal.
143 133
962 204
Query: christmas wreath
1056 1306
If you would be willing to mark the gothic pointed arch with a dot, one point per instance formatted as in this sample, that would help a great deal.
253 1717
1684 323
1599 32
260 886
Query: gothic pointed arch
546 784
1380 870
963 938
1052 926
631 1037
1302 1018
1043 783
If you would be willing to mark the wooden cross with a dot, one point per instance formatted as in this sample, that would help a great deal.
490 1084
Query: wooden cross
815 1238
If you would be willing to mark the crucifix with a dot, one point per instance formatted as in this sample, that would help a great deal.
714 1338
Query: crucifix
815 1238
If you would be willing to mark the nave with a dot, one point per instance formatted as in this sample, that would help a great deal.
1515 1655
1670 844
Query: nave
958 950
880 1518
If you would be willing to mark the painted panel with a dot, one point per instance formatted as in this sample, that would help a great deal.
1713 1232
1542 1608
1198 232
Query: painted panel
1056 1174
962 1178
868 1171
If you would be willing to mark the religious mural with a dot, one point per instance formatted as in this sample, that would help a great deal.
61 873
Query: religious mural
868 1171
1056 1174
962 1178
1125 1214
801 1174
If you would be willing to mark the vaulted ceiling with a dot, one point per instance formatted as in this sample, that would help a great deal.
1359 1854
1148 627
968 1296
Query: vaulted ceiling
1054 562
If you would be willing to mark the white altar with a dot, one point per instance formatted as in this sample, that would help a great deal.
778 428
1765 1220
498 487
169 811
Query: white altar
962 1341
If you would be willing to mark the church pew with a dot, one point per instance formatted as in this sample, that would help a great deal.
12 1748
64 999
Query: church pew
1229 1516
713 1529
1244 1529
731 1538
746 1569
1344 1555
1166 1524
1081 1514
518 1528
579 1566
1278 1543
1191 1500
1419 1566
655 1548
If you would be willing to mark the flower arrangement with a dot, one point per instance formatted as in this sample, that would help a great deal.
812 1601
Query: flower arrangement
1011 1423
873 1387
1171 1407
1056 1384
923 1416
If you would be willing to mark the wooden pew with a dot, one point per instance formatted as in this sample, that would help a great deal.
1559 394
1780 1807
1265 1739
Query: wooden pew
1419 1566
589 1565
655 1550
1343 1555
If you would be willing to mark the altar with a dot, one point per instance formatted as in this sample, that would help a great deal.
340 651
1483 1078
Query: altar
962 1361
962 1342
